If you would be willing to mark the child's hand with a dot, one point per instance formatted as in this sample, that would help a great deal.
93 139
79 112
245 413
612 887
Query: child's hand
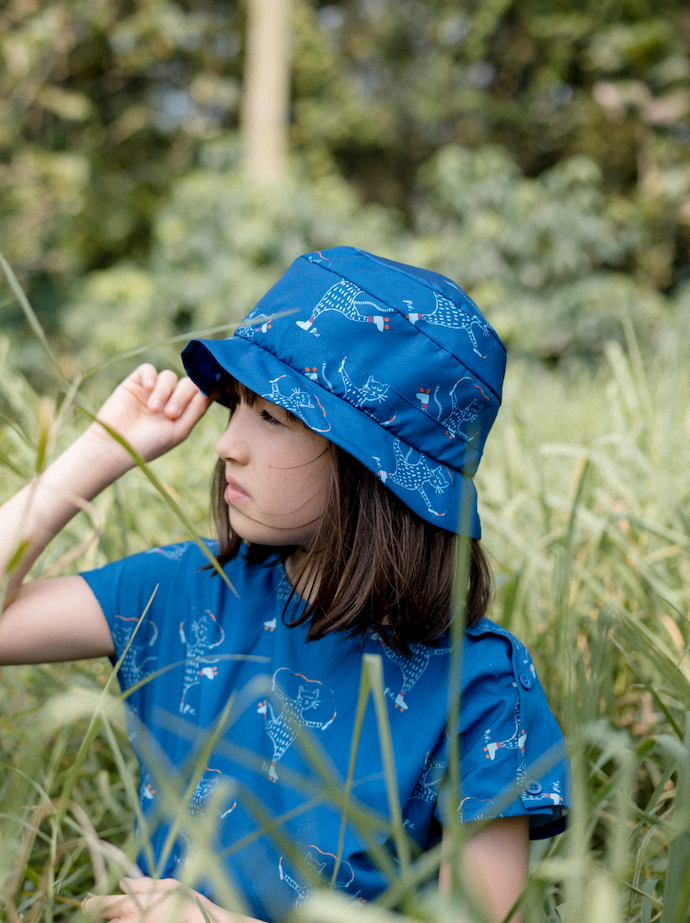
153 411
164 901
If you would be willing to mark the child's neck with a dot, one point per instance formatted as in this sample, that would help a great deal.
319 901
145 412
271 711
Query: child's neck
305 580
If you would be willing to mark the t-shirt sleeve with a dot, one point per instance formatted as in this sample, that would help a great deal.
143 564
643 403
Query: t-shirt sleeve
513 760
136 594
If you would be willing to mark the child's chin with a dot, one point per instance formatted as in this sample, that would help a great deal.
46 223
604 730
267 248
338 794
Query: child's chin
257 533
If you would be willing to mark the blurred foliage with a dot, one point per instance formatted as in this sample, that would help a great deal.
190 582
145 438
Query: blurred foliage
101 105
218 244
546 81
548 259
108 111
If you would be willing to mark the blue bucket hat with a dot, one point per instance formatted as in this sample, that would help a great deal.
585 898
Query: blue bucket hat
394 364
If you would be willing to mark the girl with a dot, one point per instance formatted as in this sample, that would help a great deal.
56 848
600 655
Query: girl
361 394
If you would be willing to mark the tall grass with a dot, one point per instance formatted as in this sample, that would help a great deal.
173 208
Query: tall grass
584 493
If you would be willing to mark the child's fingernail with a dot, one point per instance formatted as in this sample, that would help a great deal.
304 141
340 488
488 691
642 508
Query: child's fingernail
174 410
150 383
156 404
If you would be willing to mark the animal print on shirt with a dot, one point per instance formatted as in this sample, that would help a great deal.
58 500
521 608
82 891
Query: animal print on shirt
301 706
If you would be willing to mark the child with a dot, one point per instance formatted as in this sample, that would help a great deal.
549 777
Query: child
362 392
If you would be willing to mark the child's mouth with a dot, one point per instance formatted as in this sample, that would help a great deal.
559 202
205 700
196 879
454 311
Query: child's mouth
234 493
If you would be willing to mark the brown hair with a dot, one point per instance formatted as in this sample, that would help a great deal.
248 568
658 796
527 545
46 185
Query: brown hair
380 566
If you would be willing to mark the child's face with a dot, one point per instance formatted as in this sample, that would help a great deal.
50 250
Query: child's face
277 474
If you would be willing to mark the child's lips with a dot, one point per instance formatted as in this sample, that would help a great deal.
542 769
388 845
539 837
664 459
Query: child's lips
234 493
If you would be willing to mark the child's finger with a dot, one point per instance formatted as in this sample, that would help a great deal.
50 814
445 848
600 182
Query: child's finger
165 385
198 406
185 391
145 374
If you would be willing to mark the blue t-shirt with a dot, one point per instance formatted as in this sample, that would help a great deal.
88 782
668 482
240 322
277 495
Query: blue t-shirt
204 660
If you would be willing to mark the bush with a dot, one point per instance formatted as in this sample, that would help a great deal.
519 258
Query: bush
545 258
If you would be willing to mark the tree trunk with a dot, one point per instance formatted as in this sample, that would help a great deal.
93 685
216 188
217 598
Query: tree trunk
266 92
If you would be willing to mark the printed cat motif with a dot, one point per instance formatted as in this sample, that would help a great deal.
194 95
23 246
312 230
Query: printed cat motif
301 405
414 475
282 726
515 742
428 783
555 796
135 665
197 806
448 314
460 414
207 635
172 552
412 667
248 331
319 866
343 298
372 391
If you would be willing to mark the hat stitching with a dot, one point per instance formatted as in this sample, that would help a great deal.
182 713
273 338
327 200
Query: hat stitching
421 332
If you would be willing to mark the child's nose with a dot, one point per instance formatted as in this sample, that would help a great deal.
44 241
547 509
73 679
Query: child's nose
233 443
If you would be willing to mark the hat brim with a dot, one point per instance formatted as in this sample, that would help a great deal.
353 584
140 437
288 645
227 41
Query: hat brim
438 493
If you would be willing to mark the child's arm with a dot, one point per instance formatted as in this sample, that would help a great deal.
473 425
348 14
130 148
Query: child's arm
494 864
60 619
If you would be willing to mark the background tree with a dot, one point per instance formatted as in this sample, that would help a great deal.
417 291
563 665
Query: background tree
266 89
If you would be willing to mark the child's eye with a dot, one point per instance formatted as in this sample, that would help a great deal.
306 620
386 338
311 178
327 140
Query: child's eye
271 420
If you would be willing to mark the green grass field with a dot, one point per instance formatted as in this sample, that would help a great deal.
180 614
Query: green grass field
583 494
